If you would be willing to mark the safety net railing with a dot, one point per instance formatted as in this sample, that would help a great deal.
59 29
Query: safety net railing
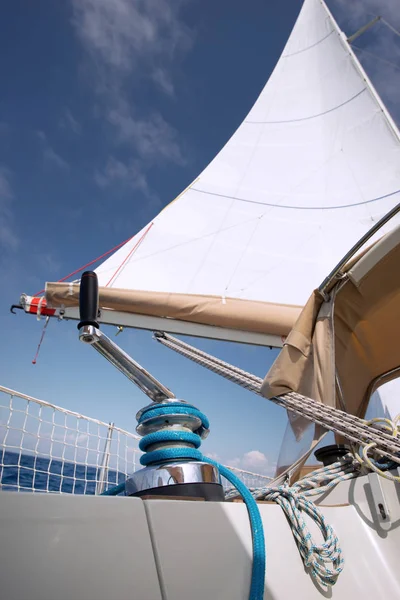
251 480
46 448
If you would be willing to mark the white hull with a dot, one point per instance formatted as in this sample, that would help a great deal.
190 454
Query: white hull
97 548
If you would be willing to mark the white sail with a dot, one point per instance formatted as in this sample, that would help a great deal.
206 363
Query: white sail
313 166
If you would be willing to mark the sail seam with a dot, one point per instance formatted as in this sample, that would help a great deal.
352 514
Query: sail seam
308 47
310 117
299 207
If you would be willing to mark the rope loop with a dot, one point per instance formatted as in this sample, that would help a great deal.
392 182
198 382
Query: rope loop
324 561
391 426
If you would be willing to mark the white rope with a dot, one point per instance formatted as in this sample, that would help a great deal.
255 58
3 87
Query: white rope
325 561
388 425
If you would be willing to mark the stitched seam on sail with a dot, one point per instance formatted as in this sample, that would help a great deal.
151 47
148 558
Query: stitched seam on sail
308 47
310 117
300 207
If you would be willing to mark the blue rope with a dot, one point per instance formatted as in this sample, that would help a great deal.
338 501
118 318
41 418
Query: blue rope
178 408
257 531
182 452
169 436
114 491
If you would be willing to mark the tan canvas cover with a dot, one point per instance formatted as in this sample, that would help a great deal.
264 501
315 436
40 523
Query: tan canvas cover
367 330
358 329
305 364
232 313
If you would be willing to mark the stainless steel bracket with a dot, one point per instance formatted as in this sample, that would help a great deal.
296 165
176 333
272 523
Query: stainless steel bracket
381 507
155 390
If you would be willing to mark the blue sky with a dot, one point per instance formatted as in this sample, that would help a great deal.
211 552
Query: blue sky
108 109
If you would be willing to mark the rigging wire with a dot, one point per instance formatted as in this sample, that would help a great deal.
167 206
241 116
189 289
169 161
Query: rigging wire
384 440
393 29
40 341
89 264
384 60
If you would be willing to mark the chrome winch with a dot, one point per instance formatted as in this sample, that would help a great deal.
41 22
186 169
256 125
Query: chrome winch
172 429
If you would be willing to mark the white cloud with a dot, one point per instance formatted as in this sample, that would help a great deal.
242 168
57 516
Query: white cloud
254 461
213 456
48 263
163 80
388 9
50 156
130 41
129 175
8 237
69 122
152 137
124 33
75 437
120 172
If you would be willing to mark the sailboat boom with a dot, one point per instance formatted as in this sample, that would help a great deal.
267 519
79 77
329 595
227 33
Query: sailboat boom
153 323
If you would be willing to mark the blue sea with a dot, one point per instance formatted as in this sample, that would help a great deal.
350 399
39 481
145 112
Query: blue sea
45 474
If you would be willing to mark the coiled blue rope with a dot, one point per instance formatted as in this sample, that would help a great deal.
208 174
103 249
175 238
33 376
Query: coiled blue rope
183 452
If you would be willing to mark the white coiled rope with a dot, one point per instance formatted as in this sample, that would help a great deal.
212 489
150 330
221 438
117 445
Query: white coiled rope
324 560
